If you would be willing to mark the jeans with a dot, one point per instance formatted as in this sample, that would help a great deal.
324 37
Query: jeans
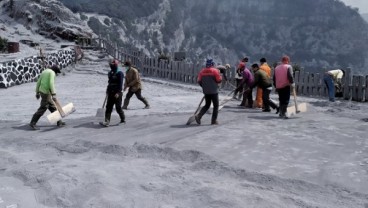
330 87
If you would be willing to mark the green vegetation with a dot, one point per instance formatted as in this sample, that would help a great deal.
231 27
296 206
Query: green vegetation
3 44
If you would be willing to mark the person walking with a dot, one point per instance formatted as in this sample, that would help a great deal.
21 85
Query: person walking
332 80
209 78
247 81
133 82
262 80
266 68
114 93
283 80
45 89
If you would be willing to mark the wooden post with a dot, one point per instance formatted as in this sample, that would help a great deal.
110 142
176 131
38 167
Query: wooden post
347 84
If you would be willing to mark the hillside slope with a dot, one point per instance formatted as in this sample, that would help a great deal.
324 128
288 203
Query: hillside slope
316 34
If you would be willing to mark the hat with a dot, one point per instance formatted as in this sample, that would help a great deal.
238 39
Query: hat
114 62
263 60
56 69
227 66
209 63
127 63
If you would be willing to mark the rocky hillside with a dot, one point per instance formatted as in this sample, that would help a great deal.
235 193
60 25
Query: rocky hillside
316 34
49 18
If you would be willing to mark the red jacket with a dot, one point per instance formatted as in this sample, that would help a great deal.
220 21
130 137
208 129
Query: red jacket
209 78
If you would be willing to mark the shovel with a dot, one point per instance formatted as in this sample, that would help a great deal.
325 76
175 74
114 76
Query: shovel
295 101
101 111
192 118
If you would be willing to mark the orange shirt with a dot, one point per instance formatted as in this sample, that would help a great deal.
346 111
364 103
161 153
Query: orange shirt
266 68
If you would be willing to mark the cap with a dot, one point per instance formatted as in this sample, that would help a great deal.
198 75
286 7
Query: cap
209 63
127 63
56 69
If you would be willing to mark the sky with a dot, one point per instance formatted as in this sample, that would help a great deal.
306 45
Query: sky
361 4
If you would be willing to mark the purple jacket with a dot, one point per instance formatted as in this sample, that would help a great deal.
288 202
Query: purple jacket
248 77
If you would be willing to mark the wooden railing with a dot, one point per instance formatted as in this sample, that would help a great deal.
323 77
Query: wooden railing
355 87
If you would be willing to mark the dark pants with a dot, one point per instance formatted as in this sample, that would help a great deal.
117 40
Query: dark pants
247 96
138 94
213 98
238 88
267 102
284 99
111 101
330 86
46 104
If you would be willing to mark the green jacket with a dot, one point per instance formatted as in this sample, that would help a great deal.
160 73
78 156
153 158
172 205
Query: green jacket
46 82
261 79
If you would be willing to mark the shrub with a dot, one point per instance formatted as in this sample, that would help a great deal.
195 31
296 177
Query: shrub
3 44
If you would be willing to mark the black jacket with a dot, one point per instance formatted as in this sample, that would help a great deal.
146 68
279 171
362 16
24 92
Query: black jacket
116 78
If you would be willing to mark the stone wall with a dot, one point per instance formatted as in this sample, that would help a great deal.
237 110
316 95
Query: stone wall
26 70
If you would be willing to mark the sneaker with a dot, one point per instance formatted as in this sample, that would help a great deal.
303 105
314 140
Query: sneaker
60 123
147 107
34 127
122 122
198 120
214 123
105 124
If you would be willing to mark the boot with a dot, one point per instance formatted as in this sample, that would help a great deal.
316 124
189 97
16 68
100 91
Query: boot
214 122
198 119
122 118
277 110
126 103
60 123
283 109
33 126
33 122
146 103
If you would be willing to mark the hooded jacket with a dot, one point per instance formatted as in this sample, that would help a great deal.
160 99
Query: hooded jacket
133 80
